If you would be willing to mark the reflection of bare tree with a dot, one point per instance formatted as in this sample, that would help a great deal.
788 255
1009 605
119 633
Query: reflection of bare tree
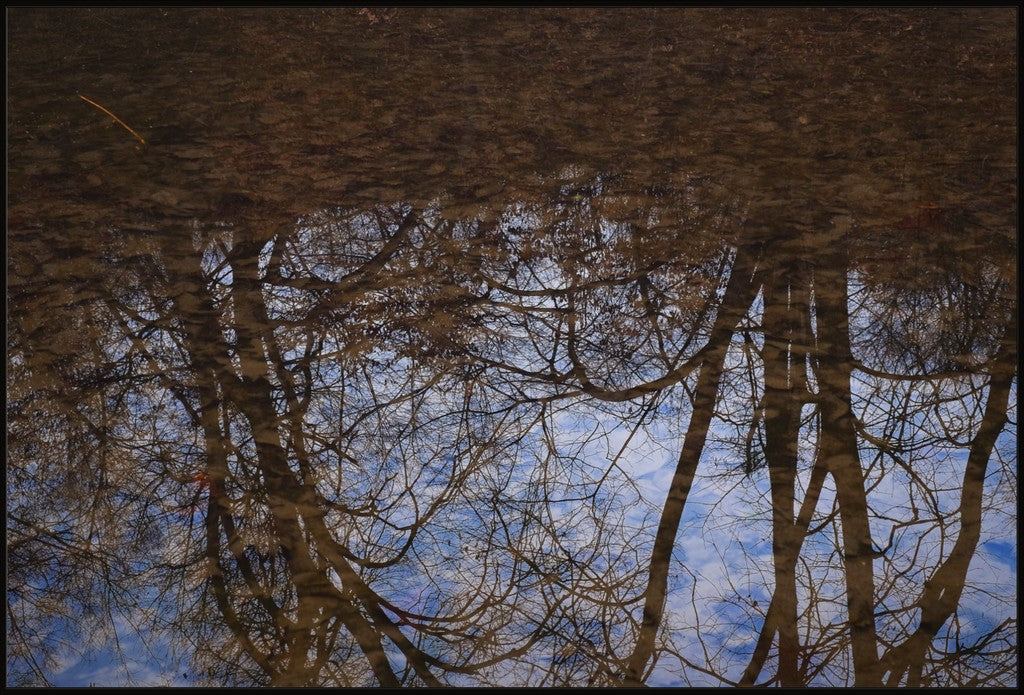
805 360
738 295
74 529
836 405
361 496
950 340
329 459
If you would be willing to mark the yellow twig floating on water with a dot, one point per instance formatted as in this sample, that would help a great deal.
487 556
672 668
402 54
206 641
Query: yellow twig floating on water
126 126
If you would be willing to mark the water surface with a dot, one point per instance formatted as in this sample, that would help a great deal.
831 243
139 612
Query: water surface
353 347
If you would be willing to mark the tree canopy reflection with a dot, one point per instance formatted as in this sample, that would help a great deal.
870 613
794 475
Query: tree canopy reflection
363 368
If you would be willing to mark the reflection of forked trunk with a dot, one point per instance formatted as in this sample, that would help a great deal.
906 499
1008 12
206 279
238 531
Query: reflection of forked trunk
784 386
739 293
288 501
942 591
838 449
317 601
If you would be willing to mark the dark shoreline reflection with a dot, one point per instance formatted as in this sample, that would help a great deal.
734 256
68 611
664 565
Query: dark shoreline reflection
352 373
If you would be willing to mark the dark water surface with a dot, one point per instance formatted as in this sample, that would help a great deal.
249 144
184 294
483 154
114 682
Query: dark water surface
356 347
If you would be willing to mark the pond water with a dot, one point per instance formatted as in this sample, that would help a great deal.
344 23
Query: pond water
563 347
